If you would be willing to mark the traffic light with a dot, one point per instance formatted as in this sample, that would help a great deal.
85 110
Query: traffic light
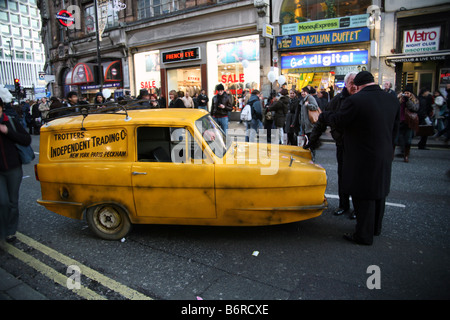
17 85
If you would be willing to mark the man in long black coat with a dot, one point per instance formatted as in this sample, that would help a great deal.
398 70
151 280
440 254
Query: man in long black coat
369 120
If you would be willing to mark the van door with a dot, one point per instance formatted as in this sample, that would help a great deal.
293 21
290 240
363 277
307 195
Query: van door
168 181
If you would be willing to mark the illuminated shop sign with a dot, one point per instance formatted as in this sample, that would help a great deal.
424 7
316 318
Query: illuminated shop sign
323 38
345 58
326 24
421 40
181 55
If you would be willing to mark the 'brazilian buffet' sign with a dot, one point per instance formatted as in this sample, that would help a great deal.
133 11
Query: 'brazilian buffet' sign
323 38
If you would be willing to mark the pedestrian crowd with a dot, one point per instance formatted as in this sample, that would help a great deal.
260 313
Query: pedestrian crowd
366 122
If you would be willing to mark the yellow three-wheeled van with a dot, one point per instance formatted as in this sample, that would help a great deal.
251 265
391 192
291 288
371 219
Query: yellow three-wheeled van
171 166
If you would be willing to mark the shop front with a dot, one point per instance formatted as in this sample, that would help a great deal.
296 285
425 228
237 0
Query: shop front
322 59
320 42
83 78
423 44
233 62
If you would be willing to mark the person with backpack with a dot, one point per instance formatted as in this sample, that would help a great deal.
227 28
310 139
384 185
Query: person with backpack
281 107
11 133
256 114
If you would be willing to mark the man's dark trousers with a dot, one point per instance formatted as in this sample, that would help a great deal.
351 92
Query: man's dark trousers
369 217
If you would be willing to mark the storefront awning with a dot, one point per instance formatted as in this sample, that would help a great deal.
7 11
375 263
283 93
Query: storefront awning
419 57
113 71
81 74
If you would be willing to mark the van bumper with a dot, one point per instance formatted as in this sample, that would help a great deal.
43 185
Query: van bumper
72 210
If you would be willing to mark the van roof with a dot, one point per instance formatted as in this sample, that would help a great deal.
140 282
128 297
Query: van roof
142 116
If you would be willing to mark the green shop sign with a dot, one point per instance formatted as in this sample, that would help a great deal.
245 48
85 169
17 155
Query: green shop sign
356 21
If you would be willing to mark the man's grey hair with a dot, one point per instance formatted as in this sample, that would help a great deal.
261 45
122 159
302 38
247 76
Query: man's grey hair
348 75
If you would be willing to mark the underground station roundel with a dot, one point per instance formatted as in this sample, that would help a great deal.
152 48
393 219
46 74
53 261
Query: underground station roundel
65 18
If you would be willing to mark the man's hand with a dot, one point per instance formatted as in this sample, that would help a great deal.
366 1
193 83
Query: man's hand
3 129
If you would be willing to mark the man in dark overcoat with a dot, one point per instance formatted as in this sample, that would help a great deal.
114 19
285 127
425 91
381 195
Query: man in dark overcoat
370 121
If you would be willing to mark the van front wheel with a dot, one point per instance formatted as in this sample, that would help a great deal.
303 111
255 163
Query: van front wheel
109 222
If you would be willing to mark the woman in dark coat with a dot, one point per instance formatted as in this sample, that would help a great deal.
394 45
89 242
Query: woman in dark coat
10 174
280 107
175 102
292 132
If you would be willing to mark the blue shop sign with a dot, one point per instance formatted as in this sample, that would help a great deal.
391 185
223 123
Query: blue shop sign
334 59
323 38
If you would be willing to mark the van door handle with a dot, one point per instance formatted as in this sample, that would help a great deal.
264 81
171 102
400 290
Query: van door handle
139 173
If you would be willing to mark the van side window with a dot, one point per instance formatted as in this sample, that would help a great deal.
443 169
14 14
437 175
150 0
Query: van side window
153 144
165 144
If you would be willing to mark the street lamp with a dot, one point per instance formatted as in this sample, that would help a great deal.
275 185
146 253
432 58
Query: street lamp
99 63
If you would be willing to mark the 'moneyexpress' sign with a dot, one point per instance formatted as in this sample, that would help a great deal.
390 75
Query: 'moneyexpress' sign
356 21
101 144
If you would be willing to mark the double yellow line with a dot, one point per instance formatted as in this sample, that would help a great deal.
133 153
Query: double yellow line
61 279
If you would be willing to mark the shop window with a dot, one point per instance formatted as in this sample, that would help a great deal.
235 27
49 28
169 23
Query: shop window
297 11
186 80
148 77
235 64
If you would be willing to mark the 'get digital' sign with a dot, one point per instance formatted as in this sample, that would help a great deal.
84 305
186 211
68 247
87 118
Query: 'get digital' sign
334 59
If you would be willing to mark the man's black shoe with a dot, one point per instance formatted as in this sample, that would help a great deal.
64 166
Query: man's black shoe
340 211
351 237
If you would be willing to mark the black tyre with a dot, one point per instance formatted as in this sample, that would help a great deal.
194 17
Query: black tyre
109 222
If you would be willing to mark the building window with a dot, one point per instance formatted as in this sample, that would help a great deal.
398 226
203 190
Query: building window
4 16
13 5
26 33
297 11
5 29
14 18
25 21
89 14
35 24
155 8
16 31
23 8
20 55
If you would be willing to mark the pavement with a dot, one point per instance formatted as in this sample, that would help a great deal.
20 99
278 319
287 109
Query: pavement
12 288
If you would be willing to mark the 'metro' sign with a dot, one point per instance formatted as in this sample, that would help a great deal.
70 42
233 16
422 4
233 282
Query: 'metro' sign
181 55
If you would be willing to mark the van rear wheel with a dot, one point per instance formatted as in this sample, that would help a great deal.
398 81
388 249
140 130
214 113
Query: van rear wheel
109 222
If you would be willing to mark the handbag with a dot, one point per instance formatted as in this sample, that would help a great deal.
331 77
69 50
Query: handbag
425 131
314 115
412 119
26 153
